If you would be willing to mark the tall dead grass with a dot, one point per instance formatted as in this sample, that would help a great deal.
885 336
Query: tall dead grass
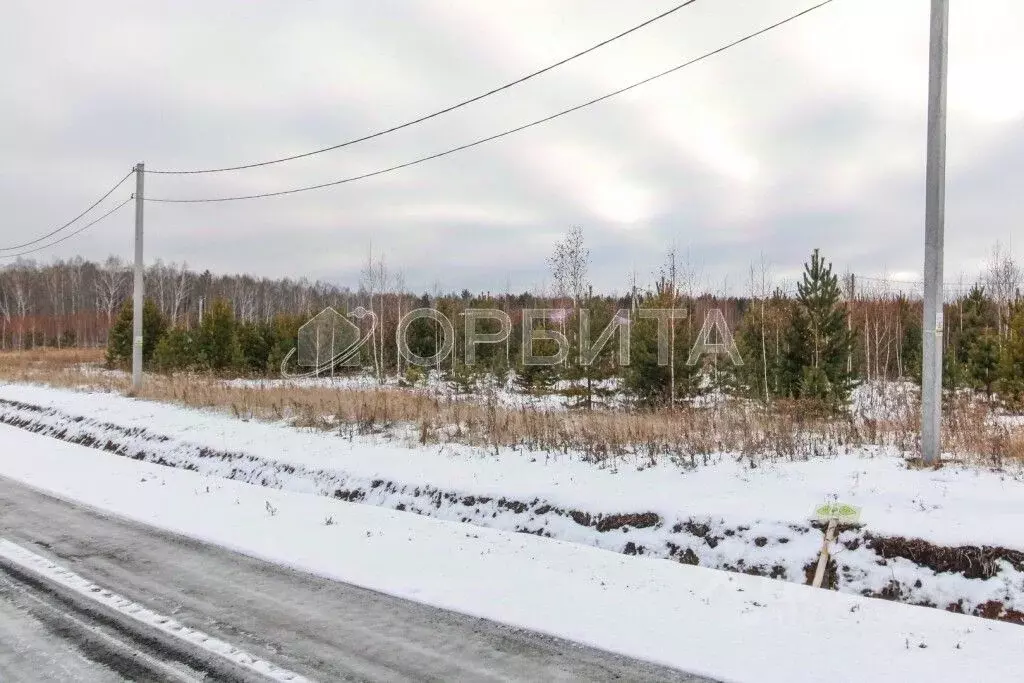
688 436
45 359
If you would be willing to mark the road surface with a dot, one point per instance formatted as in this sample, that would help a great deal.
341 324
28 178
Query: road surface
325 630
33 646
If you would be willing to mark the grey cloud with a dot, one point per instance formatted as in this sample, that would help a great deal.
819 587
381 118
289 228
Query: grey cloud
90 88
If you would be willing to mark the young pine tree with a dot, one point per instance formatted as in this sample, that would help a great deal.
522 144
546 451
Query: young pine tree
119 344
910 348
646 379
819 342
217 340
541 378
1011 369
588 378
796 353
977 347
255 341
175 351
760 376
983 362
283 335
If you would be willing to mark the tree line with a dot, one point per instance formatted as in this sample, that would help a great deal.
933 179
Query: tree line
816 341
74 302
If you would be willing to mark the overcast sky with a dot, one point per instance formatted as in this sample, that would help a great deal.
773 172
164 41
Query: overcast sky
810 136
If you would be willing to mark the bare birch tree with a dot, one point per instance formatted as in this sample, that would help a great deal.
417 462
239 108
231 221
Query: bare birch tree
113 276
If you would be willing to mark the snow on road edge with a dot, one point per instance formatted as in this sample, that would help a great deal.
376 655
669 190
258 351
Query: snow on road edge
54 573
727 626
753 543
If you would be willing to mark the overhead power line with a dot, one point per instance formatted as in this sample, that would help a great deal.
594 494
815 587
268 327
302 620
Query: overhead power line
435 114
307 188
70 222
888 280
70 234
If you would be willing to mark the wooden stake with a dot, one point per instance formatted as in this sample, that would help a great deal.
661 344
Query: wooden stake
830 534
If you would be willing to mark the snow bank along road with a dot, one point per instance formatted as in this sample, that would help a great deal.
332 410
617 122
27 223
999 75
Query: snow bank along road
948 538
322 629
111 630
726 626
40 643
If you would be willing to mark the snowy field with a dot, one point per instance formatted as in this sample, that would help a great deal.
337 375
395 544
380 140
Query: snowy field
947 538
724 625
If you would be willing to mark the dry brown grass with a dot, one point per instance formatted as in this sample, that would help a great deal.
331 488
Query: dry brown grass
688 436
972 428
46 360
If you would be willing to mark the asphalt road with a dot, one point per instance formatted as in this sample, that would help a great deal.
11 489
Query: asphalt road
325 630
32 649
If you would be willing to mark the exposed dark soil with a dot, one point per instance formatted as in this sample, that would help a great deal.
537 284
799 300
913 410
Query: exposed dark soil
687 538
831 578
974 562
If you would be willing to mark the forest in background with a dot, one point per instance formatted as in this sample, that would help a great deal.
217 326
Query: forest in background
815 340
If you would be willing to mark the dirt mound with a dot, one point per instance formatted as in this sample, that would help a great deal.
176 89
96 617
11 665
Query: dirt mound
974 562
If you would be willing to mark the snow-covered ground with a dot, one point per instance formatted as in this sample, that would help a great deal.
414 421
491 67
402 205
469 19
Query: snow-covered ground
726 514
724 625
885 400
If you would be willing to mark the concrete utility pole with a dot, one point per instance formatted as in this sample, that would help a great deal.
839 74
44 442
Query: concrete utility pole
140 178
934 227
